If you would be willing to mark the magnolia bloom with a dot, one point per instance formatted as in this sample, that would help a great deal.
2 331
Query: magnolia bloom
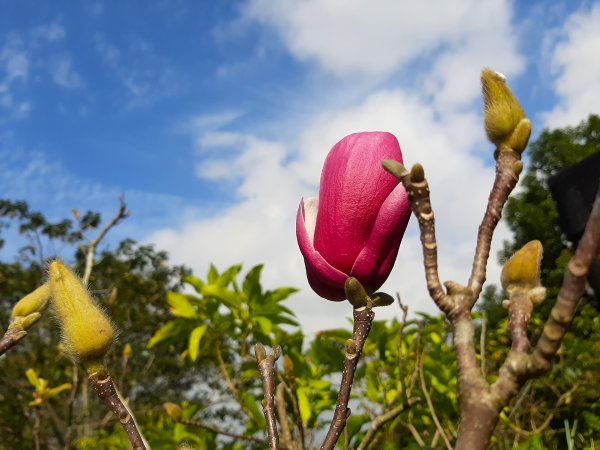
355 227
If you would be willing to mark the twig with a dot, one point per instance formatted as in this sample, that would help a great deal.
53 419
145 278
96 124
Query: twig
71 403
363 319
430 406
266 366
281 413
122 213
107 392
17 330
482 344
404 309
240 437
382 420
293 395
417 189
508 168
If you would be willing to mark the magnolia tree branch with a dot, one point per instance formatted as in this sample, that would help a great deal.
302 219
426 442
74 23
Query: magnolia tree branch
266 366
382 420
363 319
107 392
90 253
508 168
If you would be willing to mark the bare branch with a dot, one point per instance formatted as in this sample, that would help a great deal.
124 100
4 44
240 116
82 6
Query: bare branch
418 193
266 366
380 421
508 168
363 319
107 392
438 426
281 413
121 214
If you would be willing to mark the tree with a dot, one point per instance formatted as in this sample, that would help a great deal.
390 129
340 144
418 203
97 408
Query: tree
570 393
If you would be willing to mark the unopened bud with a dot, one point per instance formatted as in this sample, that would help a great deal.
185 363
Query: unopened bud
174 411
502 111
36 301
523 268
86 331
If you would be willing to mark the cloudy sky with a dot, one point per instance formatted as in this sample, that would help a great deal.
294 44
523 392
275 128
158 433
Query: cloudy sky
214 117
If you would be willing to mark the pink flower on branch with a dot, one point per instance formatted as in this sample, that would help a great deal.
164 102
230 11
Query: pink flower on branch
355 227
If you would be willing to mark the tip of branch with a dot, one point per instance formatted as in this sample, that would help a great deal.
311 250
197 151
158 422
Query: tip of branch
260 352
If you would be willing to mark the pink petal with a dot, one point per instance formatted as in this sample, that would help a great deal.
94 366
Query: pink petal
326 280
377 258
353 187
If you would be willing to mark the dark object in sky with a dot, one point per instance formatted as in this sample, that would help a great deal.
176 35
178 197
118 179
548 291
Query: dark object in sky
574 190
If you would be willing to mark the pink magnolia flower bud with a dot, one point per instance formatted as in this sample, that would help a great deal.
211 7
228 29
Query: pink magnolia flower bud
355 227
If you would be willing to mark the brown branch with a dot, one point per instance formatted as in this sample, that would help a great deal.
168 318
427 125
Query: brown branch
266 366
293 395
434 416
363 319
17 330
401 373
508 168
121 214
107 392
380 421
210 429
281 413
417 189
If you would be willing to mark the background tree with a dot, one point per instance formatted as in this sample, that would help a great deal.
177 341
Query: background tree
570 393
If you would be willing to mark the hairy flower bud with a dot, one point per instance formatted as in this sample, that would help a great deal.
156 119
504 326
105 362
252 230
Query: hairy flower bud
523 267
35 301
503 114
355 227
86 331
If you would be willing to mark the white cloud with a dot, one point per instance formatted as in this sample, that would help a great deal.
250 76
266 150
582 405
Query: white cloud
576 67
379 37
51 32
146 76
365 40
64 75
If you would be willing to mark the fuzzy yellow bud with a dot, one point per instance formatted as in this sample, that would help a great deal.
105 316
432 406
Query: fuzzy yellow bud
35 301
523 268
502 111
86 331
174 411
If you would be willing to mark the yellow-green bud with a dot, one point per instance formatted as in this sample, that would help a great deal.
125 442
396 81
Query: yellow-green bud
523 268
174 411
502 111
35 301
86 331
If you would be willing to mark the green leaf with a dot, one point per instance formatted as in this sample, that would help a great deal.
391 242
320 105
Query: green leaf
180 305
282 293
168 330
266 326
194 341
195 282
304 404
251 286
251 406
227 297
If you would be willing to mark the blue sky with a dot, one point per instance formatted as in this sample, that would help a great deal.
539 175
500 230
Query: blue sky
214 117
